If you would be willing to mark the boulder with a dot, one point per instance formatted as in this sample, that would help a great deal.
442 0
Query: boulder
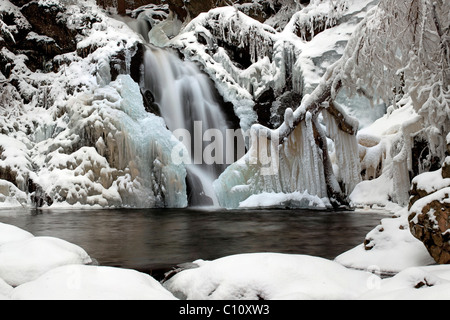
432 226
446 169
429 212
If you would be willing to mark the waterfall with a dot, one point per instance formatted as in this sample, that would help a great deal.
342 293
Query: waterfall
184 97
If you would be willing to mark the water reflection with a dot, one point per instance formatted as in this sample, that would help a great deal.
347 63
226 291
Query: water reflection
156 239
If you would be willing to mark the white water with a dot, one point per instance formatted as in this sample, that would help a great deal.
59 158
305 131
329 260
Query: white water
184 96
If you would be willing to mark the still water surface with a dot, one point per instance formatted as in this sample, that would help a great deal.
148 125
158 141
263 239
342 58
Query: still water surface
151 240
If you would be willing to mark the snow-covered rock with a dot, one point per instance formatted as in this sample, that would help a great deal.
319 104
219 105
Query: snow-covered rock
78 282
5 290
389 248
429 212
294 200
268 276
10 233
26 260
417 283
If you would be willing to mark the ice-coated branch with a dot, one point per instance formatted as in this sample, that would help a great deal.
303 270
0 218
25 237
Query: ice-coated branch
314 103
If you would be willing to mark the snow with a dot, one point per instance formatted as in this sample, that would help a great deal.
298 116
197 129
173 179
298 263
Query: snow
80 282
417 283
282 200
9 233
391 248
25 260
269 276
431 181
442 195
11 196
80 138
77 107
373 192
5 290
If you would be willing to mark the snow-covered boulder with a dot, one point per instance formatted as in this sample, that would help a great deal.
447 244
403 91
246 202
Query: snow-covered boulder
295 200
429 216
79 282
10 233
5 290
418 283
25 260
387 249
268 276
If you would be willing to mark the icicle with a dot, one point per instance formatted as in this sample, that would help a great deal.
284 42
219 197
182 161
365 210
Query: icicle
347 153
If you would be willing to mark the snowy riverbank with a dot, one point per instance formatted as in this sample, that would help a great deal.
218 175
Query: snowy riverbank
43 268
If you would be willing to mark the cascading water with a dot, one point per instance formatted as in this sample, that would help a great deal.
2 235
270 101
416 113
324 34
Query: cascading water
184 97
186 101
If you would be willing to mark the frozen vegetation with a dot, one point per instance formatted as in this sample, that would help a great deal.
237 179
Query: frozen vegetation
345 103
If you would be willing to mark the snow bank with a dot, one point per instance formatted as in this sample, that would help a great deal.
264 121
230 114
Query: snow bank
374 192
78 282
9 233
46 268
282 200
418 283
268 276
25 260
5 290
389 248
384 157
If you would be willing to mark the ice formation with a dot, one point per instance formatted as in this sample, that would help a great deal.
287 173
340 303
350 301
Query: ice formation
410 74
267 59
75 137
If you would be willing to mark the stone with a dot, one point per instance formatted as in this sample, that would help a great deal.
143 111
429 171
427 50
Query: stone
429 214
432 227
46 20
446 168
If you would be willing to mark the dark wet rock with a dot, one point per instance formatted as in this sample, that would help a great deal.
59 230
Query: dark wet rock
46 20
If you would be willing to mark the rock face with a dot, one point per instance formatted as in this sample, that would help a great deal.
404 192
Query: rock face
429 217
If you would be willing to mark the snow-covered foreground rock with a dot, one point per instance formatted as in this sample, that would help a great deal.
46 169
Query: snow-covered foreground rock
24 258
268 276
28 271
389 248
79 282
9 233
420 283
290 277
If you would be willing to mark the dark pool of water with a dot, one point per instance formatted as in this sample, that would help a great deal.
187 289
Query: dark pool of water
150 240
